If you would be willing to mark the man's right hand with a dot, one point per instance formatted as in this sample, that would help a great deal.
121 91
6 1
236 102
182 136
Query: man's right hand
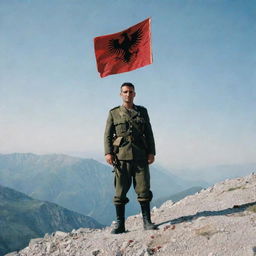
109 158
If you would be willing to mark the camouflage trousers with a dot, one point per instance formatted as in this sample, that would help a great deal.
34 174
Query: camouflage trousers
128 172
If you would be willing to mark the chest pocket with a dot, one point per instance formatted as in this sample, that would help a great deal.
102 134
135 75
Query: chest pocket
121 127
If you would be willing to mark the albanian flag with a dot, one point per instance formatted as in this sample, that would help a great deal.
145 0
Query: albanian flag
124 51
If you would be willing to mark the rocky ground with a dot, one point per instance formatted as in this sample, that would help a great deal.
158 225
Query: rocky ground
218 221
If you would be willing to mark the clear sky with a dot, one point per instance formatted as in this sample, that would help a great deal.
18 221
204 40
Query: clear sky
200 90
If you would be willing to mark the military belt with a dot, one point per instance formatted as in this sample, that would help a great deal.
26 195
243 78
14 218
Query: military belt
130 138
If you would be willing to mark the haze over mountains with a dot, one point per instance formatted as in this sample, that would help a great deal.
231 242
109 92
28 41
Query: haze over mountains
216 173
81 185
23 218
176 197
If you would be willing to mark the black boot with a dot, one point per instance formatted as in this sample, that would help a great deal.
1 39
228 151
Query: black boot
145 208
120 227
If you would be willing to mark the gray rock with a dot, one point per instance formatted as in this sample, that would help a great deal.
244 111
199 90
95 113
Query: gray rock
95 252
12 254
60 234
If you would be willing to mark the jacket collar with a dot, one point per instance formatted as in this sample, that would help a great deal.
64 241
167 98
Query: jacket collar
130 114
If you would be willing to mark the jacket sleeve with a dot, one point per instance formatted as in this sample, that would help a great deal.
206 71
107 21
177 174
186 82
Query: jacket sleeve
108 135
149 136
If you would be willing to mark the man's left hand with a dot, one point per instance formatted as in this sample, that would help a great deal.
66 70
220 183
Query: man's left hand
151 158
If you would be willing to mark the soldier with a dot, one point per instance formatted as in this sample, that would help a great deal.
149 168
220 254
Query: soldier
130 148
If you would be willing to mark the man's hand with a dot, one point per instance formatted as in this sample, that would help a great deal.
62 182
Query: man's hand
109 158
151 158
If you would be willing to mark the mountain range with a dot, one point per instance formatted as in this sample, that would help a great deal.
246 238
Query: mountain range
81 185
23 218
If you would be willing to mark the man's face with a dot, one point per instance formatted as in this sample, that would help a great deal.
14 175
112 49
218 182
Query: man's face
127 94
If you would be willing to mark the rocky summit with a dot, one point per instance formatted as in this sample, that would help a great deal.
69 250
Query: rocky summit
218 221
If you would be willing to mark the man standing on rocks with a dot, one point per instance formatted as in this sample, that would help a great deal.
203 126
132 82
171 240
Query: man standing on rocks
130 148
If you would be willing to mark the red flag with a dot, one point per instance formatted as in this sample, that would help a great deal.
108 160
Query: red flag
124 51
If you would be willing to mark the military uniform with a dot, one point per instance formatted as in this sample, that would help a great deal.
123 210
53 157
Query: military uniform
128 136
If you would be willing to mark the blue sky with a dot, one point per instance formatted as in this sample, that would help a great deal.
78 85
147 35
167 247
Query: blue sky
200 90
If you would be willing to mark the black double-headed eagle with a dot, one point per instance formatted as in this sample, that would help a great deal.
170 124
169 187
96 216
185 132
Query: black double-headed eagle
125 46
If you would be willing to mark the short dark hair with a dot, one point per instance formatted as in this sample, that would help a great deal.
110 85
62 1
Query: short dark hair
127 84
